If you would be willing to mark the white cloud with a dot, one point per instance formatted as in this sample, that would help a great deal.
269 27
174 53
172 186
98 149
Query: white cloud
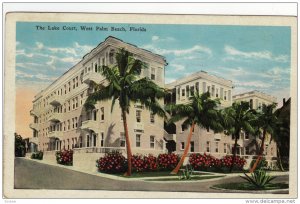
155 38
39 45
169 80
253 84
34 76
23 52
253 55
179 52
178 67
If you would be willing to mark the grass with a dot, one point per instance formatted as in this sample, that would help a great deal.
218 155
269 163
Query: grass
194 178
247 186
157 174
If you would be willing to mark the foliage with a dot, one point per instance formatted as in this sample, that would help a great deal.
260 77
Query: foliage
19 146
263 164
247 186
64 157
112 163
37 155
209 163
186 174
260 179
167 161
142 163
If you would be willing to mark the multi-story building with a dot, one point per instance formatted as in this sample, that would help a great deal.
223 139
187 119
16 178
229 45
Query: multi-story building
61 121
252 143
203 141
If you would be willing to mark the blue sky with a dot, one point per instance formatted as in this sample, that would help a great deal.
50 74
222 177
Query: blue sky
253 57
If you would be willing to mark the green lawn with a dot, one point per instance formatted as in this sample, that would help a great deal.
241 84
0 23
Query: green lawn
157 174
194 178
247 186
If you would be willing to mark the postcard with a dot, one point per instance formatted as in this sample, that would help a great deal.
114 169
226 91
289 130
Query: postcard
150 106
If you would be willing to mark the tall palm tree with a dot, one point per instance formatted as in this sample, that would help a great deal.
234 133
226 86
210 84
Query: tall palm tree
126 86
236 118
201 111
267 122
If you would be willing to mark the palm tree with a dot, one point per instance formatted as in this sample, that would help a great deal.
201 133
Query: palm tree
126 87
267 122
201 111
236 118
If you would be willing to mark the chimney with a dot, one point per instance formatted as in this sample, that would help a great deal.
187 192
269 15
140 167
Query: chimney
283 101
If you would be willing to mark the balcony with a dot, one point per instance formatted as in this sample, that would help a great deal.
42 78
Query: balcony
139 127
92 76
89 125
56 100
34 126
34 112
169 137
55 117
55 134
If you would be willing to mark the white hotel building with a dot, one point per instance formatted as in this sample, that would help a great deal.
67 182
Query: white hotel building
61 121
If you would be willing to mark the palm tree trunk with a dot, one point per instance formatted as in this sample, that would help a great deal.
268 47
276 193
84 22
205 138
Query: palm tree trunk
236 136
279 160
260 153
186 149
128 148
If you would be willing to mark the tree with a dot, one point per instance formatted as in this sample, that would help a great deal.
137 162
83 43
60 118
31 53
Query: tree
19 146
236 118
267 122
201 111
126 86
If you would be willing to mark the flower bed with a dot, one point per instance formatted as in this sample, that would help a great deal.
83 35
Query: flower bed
209 163
142 163
112 163
167 161
64 157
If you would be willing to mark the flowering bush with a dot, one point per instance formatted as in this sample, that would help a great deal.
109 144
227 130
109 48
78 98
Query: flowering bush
144 163
65 157
112 163
210 163
167 161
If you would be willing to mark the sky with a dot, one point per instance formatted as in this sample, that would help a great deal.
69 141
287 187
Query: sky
253 57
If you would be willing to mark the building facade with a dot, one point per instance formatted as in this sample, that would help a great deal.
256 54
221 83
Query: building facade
252 144
203 141
60 120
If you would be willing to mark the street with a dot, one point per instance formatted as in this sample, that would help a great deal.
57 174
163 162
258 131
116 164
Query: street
33 175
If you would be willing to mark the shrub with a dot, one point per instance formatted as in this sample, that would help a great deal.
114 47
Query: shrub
186 174
167 161
112 163
209 163
259 179
37 155
263 164
144 163
64 157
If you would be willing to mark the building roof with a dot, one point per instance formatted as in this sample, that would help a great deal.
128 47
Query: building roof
255 93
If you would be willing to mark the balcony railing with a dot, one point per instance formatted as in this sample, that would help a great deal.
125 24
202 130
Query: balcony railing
55 117
89 125
34 112
55 134
99 150
56 100
92 76
34 126
139 126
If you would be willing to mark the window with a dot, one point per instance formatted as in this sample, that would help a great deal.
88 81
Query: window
225 95
76 102
68 144
208 89
183 92
188 91
74 83
183 128
122 139
247 136
192 90
87 140
94 140
102 139
152 142
73 124
152 73
76 123
138 140
102 113
247 151
95 115
217 147
207 146
111 56
77 81
197 86
138 116
217 93
178 93
251 103
80 141
182 145
68 124
69 86
152 117
73 102
225 148
192 146
96 68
